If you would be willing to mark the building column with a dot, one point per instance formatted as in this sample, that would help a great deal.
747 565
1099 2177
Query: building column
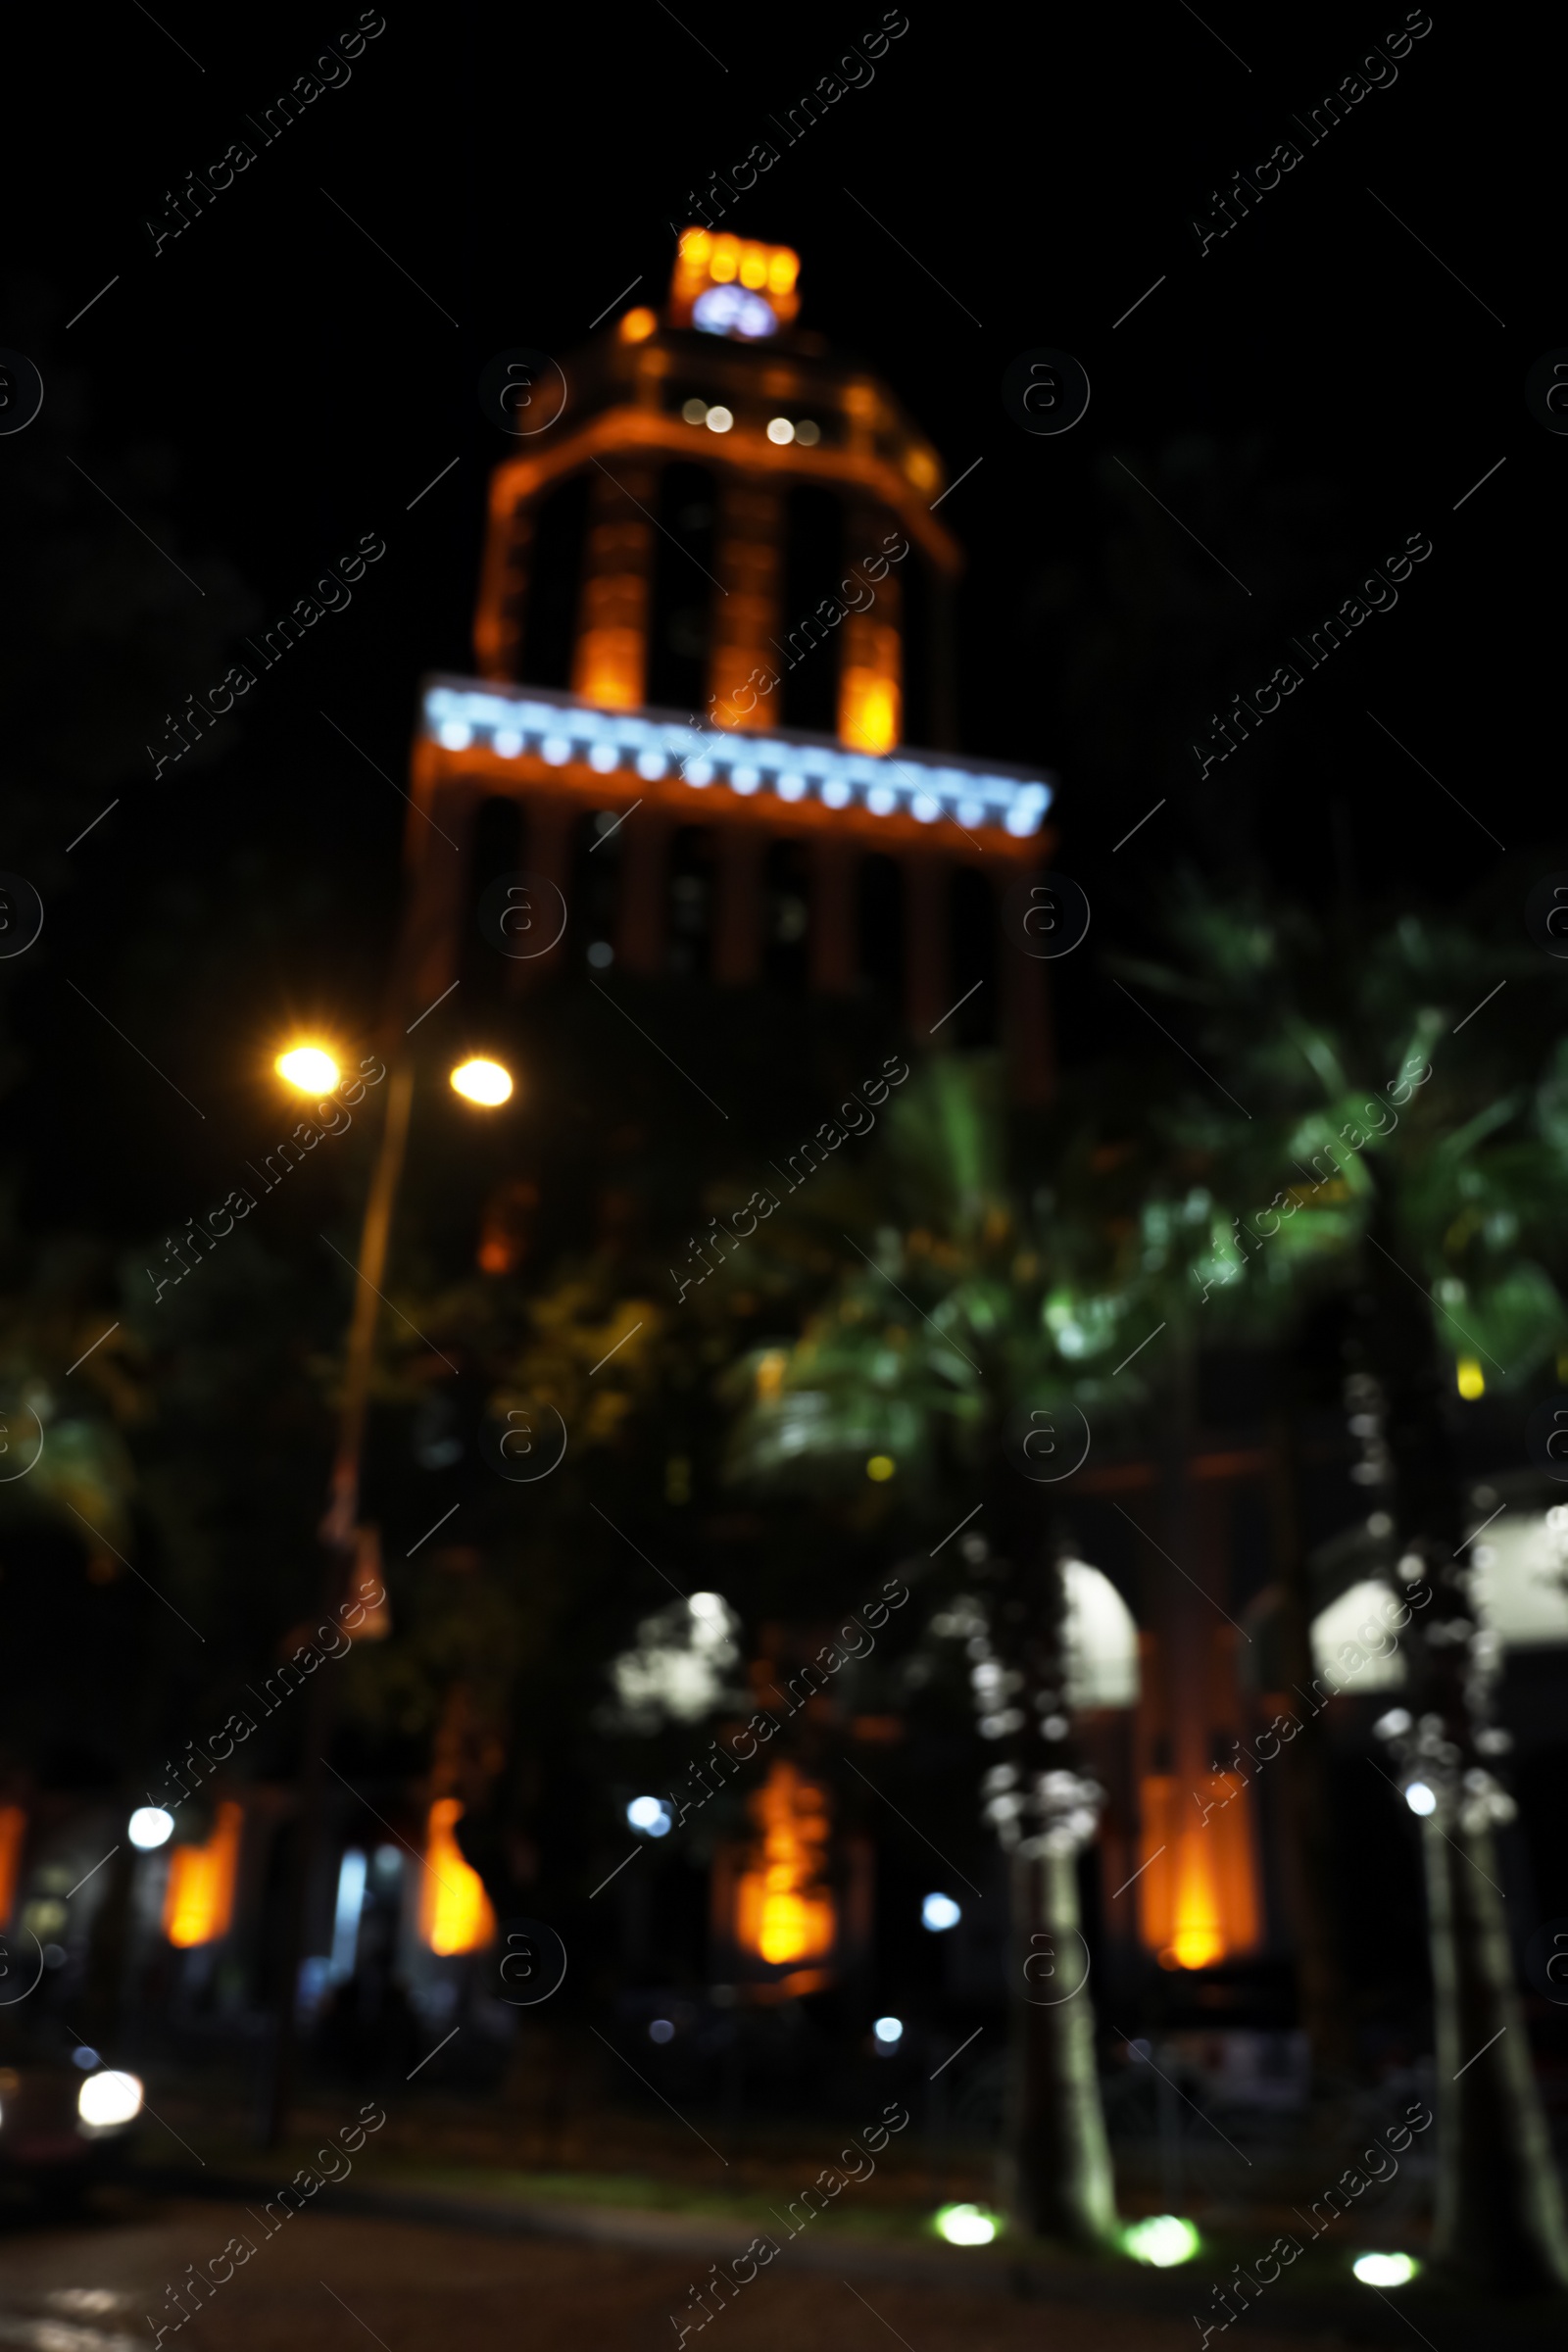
749 552
927 943
831 942
498 623
644 925
872 662
737 917
611 663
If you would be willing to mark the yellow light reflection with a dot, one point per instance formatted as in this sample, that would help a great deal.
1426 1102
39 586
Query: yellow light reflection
1472 1379
199 1899
455 1913
784 1911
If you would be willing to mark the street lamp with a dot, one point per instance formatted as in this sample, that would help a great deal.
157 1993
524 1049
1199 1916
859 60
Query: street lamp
482 1081
308 1066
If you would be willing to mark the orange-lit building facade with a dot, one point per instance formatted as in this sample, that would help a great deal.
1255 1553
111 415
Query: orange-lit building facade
713 634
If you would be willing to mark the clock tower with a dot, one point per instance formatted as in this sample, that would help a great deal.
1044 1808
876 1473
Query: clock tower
714 700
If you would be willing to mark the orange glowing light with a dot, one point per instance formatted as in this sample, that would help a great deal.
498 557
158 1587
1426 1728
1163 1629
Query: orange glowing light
784 1910
13 1830
702 261
1199 1902
868 711
455 1913
1198 1938
637 326
609 669
199 1899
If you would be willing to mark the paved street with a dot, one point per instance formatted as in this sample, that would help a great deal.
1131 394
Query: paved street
329 2285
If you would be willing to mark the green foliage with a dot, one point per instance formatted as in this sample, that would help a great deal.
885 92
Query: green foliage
1356 1099
970 1304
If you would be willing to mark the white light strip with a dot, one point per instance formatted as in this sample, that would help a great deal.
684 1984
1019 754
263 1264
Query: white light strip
537 724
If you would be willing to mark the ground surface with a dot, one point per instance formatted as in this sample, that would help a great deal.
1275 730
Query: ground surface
328 2284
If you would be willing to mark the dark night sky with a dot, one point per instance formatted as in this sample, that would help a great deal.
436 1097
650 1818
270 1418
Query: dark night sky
271 386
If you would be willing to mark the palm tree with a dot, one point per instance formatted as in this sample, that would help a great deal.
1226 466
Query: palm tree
961 1349
1404 1168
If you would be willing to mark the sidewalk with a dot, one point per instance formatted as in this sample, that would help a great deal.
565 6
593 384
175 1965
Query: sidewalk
1316 2304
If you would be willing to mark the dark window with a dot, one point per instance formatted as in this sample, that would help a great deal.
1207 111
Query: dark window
919 718
812 565
680 625
497 846
595 899
880 911
555 573
973 931
691 903
786 914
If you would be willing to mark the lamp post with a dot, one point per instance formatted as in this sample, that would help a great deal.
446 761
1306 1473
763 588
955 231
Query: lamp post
312 1069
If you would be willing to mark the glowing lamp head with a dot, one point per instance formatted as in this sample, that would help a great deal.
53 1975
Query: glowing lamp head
107 2100
638 325
1383 2269
880 1468
889 2032
1420 1798
483 1082
310 1070
649 1814
965 2224
150 1826
1162 2240
939 1912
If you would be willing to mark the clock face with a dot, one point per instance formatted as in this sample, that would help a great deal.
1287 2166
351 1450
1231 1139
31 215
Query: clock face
732 311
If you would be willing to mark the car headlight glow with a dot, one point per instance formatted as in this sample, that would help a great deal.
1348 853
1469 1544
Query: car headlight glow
108 2098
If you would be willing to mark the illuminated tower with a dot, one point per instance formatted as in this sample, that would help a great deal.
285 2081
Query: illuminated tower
713 617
